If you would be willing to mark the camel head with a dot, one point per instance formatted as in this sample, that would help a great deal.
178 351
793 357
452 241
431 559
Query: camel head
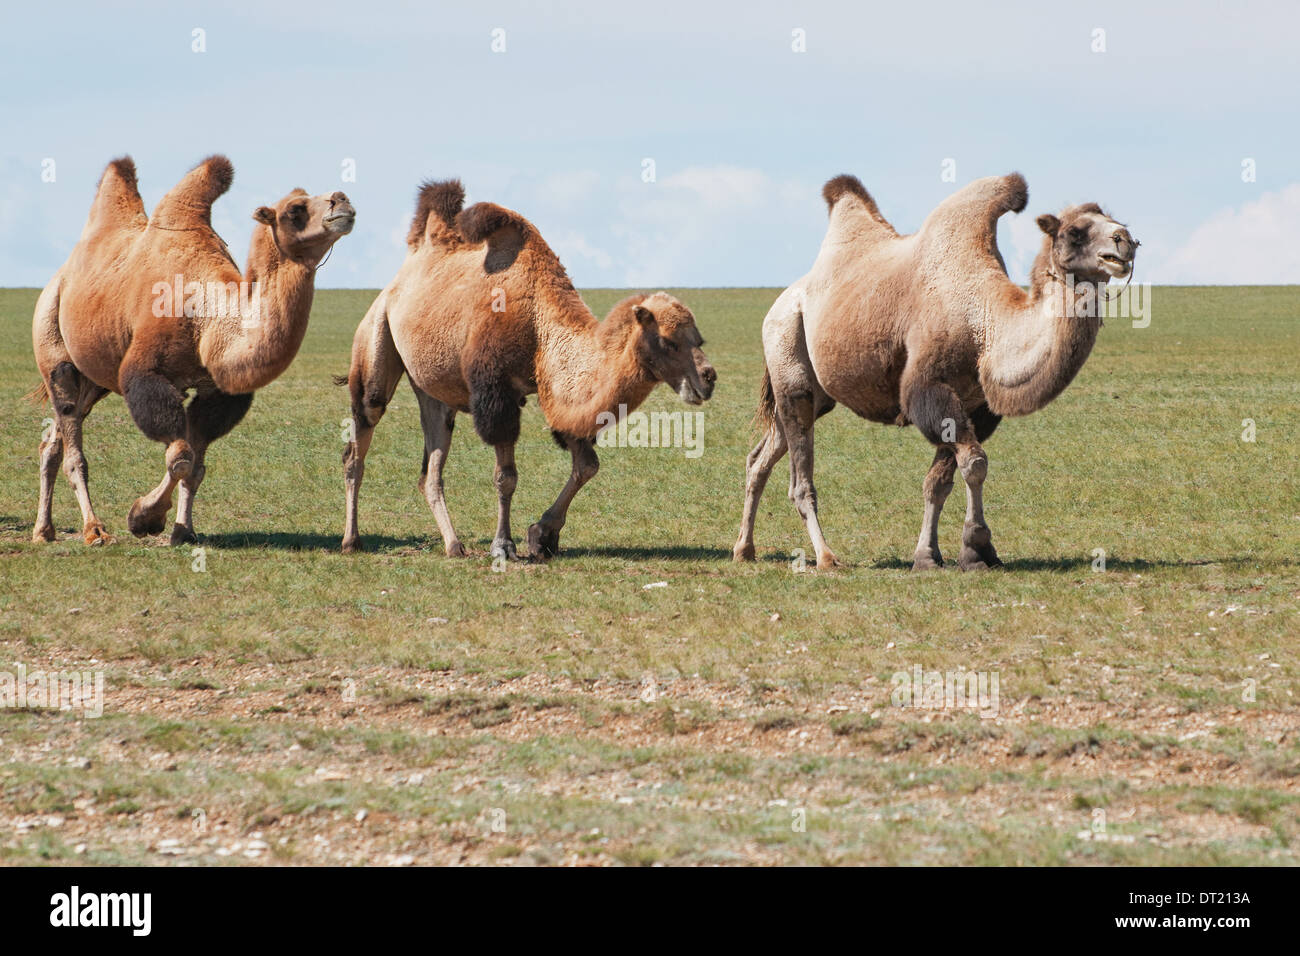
304 227
670 347
1086 243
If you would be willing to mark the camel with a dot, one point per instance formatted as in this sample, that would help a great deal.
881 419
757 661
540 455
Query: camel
928 330
152 307
480 315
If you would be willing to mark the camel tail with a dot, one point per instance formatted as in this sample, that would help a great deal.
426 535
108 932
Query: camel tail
38 395
441 201
766 415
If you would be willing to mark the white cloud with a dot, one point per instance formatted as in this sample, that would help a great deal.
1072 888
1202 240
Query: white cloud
1252 244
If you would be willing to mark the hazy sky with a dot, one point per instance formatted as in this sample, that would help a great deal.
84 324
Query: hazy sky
742 129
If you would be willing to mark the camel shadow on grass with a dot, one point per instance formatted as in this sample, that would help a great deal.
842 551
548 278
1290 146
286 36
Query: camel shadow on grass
313 541
1073 563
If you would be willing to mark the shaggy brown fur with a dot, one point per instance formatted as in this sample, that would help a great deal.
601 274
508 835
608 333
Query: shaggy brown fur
927 329
123 315
481 317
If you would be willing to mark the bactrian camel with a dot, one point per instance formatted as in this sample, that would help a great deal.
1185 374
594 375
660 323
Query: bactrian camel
154 307
928 330
480 315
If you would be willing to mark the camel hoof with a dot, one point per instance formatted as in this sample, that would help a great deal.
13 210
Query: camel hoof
543 543
828 562
96 533
504 548
972 560
455 549
41 535
926 562
352 546
144 523
183 535
743 552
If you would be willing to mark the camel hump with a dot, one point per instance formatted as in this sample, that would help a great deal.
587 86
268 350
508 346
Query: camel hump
437 204
483 220
117 197
843 186
189 202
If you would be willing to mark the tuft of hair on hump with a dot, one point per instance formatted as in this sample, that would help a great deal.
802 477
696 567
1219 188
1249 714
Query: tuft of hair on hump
124 166
1016 195
443 199
221 173
836 188
482 219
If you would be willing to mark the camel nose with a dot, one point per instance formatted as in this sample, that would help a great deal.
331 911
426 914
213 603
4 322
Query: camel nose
710 377
1125 244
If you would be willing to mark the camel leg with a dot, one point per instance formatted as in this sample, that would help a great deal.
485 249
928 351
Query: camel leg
158 409
764 456
372 380
977 552
938 484
505 478
797 414
72 396
544 536
210 416
437 420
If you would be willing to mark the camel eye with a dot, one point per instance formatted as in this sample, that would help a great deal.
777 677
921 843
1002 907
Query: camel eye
1077 234
297 214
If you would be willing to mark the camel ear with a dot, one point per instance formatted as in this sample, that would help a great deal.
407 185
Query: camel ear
644 316
265 215
1049 224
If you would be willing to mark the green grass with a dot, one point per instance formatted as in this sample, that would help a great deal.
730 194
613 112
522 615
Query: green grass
1121 690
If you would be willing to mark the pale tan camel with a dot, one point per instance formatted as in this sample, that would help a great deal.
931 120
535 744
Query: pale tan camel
482 314
927 329
152 307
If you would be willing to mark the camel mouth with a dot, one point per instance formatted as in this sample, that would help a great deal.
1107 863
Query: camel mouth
689 394
1114 264
341 222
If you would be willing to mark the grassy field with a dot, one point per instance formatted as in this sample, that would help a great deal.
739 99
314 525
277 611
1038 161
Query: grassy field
292 705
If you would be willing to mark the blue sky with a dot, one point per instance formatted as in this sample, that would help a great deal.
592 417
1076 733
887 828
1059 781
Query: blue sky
742 129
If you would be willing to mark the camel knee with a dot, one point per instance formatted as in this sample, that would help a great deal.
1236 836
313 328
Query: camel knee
804 496
586 469
974 465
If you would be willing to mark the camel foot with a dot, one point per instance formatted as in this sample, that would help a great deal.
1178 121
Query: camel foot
95 533
455 549
352 545
504 548
828 562
743 552
144 523
183 535
543 542
927 561
43 534
977 551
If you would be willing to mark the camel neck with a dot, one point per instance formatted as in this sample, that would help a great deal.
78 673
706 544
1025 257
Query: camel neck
588 369
1033 349
252 350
